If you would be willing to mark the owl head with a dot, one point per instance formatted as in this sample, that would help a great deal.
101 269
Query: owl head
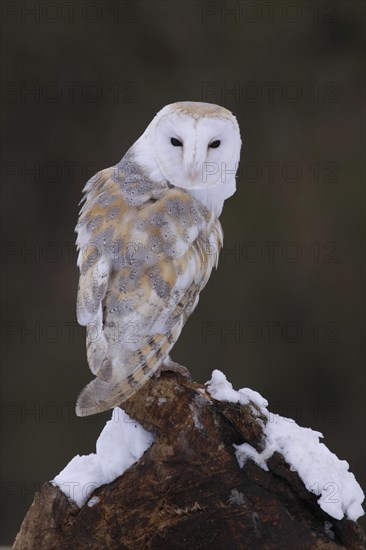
194 146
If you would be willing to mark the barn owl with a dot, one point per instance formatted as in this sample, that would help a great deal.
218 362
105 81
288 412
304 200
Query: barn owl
148 237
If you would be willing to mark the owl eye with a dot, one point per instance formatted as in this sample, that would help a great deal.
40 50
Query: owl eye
176 142
215 144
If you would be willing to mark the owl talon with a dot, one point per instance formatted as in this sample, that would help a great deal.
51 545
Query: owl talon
172 366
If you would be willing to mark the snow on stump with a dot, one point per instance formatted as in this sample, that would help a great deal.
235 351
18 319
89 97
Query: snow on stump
198 467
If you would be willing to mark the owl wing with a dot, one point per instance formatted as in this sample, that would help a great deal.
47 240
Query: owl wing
143 263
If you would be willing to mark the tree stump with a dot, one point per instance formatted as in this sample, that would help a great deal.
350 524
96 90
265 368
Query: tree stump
187 491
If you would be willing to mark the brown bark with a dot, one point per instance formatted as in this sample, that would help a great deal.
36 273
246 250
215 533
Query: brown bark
187 491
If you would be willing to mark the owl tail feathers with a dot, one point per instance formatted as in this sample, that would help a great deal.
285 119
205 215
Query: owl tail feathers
99 396
94 398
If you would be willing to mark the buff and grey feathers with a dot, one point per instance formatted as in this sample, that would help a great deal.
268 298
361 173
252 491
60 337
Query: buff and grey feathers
146 250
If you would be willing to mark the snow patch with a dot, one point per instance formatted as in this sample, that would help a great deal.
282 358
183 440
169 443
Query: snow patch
197 422
236 497
93 501
328 526
222 390
320 470
121 444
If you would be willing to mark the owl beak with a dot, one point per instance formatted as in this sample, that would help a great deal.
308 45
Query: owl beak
194 171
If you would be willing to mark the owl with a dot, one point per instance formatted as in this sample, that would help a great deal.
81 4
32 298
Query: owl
148 237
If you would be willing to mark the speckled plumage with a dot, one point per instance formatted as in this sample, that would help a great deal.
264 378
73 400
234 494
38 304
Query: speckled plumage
147 249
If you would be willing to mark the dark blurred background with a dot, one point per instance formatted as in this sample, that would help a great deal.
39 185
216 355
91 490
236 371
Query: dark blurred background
284 313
